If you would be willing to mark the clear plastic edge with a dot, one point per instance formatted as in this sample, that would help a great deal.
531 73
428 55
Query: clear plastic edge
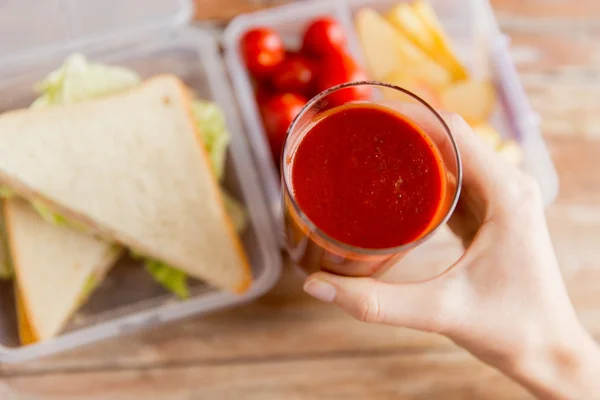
525 121
213 301
125 325
253 125
181 18
537 161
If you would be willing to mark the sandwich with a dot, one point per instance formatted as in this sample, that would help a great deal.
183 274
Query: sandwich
56 268
176 233
130 168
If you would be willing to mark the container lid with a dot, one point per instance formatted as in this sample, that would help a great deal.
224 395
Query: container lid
29 26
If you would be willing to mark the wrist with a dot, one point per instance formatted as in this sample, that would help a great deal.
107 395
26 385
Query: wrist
567 367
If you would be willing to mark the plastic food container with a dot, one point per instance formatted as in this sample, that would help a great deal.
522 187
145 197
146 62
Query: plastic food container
476 38
150 37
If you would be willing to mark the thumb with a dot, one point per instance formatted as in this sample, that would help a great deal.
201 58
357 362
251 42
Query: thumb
411 305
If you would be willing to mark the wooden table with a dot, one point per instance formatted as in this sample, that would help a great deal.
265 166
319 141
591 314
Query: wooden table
287 346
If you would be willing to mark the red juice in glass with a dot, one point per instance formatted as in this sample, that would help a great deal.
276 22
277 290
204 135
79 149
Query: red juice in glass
364 182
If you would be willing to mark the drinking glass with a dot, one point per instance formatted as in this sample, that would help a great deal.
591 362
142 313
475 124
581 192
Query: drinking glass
310 247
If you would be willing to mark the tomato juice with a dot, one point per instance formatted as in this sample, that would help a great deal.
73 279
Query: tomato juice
368 179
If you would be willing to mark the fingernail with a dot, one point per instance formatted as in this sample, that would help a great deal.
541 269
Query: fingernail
320 290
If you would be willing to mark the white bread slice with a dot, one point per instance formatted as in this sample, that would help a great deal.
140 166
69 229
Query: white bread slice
131 167
53 265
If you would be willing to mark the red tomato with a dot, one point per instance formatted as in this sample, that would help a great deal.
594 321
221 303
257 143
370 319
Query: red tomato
324 36
341 68
278 113
262 50
295 74
262 94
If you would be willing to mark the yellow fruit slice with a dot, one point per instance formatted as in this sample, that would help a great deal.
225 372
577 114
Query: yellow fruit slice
474 100
419 22
489 135
418 86
511 152
389 52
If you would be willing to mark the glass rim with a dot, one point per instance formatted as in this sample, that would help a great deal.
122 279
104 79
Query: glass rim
364 250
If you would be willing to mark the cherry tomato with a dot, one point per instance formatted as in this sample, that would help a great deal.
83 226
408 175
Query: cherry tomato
262 50
262 94
341 68
278 113
324 36
295 74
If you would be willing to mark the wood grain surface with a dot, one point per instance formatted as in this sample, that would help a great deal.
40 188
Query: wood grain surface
288 346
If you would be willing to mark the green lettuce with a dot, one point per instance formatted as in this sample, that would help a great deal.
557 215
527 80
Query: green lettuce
236 212
89 286
170 278
6 268
48 215
43 210
6 192
211 124
57 219
79 80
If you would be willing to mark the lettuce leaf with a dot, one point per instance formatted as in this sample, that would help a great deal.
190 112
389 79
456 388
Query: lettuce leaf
213 129
79 80
236 212
6 267
6 192
90 285
170 278
43 210
48 215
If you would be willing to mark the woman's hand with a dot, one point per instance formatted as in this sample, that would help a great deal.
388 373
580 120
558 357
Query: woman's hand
505 299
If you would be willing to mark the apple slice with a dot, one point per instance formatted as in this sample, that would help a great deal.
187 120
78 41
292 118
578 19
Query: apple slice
389 52
489 135
419 22
511 152
474 100
509 149
418 86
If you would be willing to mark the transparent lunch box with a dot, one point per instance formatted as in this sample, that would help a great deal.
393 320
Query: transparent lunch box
475 36
149 36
